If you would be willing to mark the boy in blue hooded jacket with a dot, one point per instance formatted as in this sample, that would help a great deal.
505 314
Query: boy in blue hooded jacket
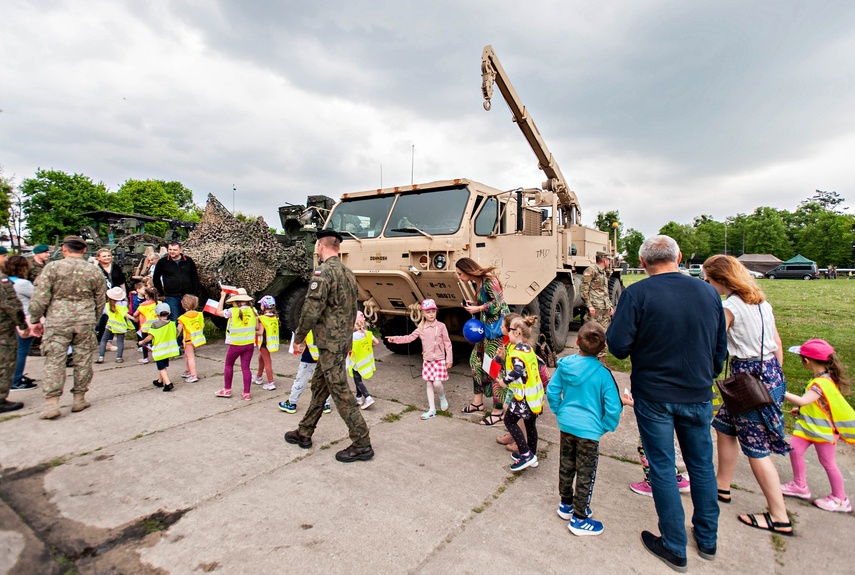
584 397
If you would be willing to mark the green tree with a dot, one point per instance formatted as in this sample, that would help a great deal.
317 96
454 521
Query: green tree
53 199
150 198
829 240
684 235
605 222
7 191
829 201
765 233
632 243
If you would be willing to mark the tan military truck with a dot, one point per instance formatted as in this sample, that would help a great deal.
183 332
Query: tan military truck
402 242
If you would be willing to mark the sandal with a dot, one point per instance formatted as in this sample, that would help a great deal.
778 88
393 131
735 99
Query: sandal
472 408
224 393
721 495
492 419
770 525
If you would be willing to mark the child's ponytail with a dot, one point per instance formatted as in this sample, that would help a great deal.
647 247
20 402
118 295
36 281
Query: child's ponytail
837 373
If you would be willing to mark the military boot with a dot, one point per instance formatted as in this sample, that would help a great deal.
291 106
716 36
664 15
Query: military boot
51 408
80 402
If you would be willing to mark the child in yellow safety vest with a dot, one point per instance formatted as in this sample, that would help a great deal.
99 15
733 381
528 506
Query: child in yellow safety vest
192 324
145 315
268 341
823 416
163 335
436 355
360 360
308 364
240 337
116 310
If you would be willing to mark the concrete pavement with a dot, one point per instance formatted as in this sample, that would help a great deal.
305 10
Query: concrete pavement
150 482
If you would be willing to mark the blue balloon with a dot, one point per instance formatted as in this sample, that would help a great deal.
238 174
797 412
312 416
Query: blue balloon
473 330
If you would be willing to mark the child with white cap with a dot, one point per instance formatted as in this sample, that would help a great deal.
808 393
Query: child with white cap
116 309
823 417
436 355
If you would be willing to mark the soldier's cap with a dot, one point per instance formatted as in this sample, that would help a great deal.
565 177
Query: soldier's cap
116 293
239 296
3 251
162 308
329 234
41 248
602 255
74 242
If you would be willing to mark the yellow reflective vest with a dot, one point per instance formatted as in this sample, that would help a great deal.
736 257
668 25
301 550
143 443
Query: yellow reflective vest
116 320
820 426
194 328
147 315
532 391
241 331
270 323
313 349
163 344
361 356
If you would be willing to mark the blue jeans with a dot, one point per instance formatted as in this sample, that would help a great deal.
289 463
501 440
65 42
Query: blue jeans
175 310
24 345
657 423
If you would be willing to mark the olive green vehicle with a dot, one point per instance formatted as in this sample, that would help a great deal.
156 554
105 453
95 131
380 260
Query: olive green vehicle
402 243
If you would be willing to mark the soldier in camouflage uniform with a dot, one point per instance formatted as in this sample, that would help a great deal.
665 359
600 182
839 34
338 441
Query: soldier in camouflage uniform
11 315
70 295
595 294
329 312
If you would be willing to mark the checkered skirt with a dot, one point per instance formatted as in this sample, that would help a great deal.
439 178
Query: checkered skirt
434 370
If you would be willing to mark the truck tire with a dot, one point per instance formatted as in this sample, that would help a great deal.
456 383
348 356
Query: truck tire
399 325
555 315
615 290
290 304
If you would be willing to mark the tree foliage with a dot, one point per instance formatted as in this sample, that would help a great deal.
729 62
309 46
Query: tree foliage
606 222
7 190
632 243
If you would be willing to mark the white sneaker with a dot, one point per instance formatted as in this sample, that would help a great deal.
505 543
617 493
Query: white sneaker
192 379
368 402
143 360
185 375
269 386
111 347
257 380
359 400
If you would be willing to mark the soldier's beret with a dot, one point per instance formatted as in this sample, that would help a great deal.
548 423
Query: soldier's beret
75 242
41 248
329 234
3 251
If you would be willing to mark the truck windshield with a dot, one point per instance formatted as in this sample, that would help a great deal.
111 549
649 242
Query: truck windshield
435 212
361 217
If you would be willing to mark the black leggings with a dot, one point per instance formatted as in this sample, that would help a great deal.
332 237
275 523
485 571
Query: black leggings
511 421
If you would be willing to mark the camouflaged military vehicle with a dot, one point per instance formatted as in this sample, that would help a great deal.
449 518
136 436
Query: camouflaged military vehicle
402 242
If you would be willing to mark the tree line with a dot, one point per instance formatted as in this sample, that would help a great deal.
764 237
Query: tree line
819 229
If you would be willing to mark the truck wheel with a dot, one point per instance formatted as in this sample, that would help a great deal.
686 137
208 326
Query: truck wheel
555 315
615 290
533 308
399 325
290 305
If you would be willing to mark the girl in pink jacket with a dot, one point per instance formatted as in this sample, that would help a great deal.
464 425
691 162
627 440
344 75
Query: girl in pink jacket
436 353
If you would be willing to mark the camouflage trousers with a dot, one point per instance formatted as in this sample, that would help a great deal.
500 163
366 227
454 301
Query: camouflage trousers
577 460
330 378
605 320
8 358
55 344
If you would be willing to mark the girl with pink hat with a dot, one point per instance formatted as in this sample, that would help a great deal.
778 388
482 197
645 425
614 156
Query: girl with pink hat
436 353
823 417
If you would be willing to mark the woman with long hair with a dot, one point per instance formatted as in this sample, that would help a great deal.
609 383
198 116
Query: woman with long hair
490 307
114 277
755 347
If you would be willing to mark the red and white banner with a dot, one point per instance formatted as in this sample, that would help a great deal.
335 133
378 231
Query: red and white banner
211 306
231 290
490 366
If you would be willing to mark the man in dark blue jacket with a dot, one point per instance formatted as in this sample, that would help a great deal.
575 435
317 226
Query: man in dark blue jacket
673 328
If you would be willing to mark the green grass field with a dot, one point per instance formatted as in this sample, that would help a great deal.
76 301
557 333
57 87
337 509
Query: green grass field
803 310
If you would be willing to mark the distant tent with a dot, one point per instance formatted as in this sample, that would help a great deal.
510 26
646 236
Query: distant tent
799 259
759 262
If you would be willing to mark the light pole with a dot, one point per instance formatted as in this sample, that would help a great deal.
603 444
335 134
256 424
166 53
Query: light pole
234 189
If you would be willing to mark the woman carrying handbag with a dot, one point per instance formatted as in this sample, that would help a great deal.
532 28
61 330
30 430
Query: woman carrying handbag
755 347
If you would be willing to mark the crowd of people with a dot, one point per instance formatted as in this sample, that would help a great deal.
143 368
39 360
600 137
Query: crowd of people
678 332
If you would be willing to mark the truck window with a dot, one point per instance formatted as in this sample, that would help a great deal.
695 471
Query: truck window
362 217
486 219
437 212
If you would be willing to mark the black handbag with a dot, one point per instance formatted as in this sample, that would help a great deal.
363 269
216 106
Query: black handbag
745 391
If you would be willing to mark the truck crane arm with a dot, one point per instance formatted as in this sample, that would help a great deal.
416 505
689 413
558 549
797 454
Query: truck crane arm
492 71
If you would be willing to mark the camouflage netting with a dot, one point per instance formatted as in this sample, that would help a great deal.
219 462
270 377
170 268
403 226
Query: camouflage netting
241 254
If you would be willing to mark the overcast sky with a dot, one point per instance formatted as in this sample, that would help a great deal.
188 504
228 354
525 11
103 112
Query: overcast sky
661 110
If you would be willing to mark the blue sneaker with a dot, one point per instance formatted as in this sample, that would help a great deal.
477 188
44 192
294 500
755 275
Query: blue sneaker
524 461
288 407
516 457
327 408
586 526
565 511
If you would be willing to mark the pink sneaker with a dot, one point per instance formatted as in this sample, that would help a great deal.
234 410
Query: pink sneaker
683 484
642 488
790 489
832 503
